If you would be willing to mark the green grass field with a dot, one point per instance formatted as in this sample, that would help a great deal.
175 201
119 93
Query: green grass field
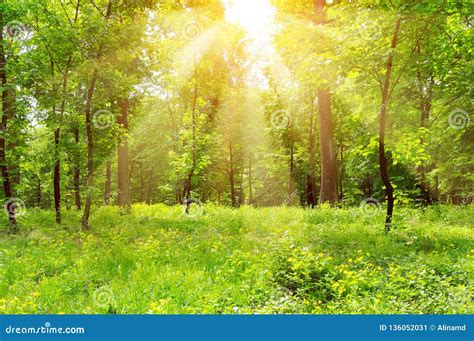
266 260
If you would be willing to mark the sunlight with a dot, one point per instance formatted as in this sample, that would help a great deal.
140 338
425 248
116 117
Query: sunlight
255 16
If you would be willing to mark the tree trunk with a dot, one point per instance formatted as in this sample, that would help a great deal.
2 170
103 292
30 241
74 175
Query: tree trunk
77 174
57 134
241 185
383 113
189 180
310 179
123 158
426 93
250 180
231 176
327 150
108 175
7 107
57 177
142 184
326 139
90 151
89 134
38 192
341 176
291 180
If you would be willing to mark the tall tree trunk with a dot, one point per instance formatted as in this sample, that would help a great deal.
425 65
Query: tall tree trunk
57 177
327 149
123 158
231 176
326 138
90 151
241 185
7 108
77 174
38 192
189 180
310 178
383 115
108 176
89 134
426 92
57 134
291 180
250 180
142 184
341 176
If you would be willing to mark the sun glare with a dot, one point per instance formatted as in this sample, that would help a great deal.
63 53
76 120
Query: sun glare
255 16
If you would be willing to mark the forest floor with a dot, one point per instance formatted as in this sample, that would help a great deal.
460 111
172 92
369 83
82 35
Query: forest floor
249 260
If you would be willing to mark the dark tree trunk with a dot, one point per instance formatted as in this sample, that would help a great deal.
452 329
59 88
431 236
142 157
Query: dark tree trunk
383 115
90 151
425 89
108 176
57 134
7 108
123 158
57 177
77 174
89 134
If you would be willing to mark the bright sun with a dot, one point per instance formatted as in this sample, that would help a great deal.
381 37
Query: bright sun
255 16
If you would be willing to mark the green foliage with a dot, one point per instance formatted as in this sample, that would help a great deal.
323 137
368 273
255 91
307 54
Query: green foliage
279 260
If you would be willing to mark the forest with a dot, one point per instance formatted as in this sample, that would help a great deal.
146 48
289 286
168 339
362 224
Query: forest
236 156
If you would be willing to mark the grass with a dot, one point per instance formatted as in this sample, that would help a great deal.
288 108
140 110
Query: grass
249 260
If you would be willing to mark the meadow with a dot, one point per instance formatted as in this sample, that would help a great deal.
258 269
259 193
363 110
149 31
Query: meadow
281 260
